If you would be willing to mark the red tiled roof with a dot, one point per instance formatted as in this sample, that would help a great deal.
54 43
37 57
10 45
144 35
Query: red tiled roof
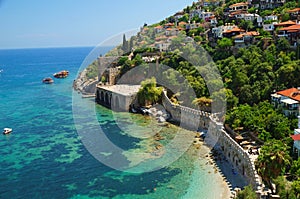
296 137
235 29
239 12
292 93
252 33
291 28
239 36
294 10
239 4
286 23
158 27
182 23
169 24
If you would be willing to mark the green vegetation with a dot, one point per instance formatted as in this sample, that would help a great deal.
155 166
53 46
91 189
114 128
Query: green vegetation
247 193
250 75
149 93
261 119
92 70
272 161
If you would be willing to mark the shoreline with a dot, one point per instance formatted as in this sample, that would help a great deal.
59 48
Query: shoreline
221 168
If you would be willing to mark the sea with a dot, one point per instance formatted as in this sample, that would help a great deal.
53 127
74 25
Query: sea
46 157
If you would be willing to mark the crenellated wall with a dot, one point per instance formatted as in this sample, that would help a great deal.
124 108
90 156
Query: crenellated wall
217 137
189 118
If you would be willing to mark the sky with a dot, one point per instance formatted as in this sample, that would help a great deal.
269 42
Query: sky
65 23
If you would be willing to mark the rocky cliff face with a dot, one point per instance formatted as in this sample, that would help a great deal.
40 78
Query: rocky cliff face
84 85
88 86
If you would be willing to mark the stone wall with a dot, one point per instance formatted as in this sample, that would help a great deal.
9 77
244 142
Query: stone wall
189 118
104 64
216 137
239 158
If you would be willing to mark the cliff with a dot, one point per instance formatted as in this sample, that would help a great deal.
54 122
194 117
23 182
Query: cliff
84 85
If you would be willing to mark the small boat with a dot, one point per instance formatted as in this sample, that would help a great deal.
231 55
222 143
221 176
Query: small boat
7 131
61 74
48 80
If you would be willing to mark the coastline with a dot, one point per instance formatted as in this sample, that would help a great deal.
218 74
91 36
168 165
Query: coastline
220 170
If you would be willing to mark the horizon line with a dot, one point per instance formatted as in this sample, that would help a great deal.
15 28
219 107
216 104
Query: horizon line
45 47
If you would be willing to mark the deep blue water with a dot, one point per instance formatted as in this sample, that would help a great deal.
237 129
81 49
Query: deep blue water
44 156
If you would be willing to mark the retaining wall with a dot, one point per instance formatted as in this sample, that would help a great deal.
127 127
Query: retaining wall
217 137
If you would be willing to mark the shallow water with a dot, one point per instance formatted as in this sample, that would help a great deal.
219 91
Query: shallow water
45 157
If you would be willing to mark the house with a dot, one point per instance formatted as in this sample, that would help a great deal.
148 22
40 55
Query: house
296 138
162 45
217 32
191 26
179 15
182 24
206 3
168 25
243 6
172 31
194 13
158 29
292 33
294 13
213 21
266 4
259 21
233 32
271 18
288 100
245 39
269 27
240 14
250 17
205 15
285 24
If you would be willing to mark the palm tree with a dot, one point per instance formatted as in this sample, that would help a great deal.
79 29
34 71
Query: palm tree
272 161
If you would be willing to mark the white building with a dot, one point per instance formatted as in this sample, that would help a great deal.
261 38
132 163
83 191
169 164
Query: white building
271 17
269 27
288 100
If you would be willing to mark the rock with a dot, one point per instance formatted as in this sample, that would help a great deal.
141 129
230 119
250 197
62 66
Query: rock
161 119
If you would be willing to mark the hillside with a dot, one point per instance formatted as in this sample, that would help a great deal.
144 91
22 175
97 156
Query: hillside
254 47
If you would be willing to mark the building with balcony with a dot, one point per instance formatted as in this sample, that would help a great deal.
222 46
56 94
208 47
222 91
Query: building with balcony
288 100
243 6
266 4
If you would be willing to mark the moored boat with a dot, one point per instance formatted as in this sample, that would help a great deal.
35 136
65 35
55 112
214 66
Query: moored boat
61 74
48 80
7 131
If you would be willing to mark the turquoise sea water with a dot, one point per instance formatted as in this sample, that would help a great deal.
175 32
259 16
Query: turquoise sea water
44 156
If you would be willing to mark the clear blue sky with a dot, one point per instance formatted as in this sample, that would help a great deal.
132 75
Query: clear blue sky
61 23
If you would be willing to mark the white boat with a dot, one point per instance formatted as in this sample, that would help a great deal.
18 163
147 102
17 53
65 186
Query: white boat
7 131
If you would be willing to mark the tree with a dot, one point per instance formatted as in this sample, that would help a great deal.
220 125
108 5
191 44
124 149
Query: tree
247 193
225 43
125 44
247 25
272 161
296 187
203 103
283 45
149 93
283 187
285 17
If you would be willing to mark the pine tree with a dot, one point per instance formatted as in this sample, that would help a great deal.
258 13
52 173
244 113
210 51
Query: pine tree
125 44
